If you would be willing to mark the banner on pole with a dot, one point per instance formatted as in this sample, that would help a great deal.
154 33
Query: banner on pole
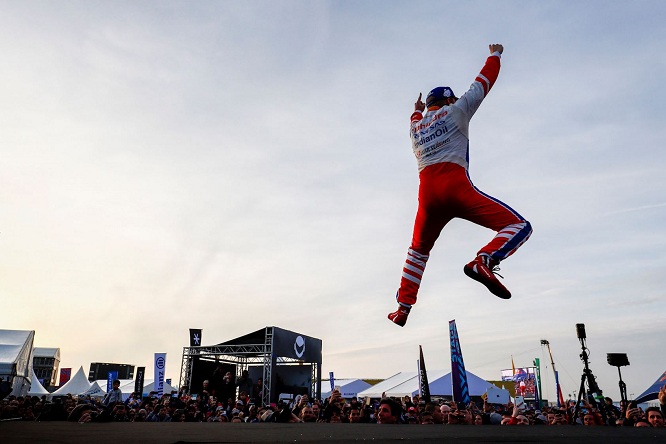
65 374
458 374
111 376
160 368
332 379
138 382
424 387
195 337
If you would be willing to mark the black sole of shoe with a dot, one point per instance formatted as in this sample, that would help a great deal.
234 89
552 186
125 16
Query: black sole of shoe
501 293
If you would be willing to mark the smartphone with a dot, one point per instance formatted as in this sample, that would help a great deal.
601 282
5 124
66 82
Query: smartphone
520 403
194 397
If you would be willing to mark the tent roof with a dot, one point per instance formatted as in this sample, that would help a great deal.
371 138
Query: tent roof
12 342
36 388
387 384
46 352
75 386
653 391
95 390
443 387
439 381
127 386
285 343
411 386
349 388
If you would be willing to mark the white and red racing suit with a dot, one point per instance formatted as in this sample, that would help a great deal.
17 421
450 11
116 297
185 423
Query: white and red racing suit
440 140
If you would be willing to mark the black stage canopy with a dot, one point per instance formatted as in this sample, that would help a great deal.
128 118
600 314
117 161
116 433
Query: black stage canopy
288 362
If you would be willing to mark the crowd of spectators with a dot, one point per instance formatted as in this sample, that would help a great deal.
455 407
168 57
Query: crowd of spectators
240 406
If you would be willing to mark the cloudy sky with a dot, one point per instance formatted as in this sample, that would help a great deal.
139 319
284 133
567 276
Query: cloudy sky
230 165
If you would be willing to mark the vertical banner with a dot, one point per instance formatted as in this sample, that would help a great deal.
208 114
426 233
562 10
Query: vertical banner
65 374
195 337
537 390
160 367
560 397
424 387
109 380
138 382
458 373
332 380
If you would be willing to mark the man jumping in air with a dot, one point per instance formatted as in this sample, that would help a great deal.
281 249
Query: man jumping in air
440 141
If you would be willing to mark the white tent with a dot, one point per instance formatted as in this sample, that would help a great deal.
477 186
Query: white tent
386 385
439 382
127 387
94 391
36 387
148 386
75 386
16 359
349 388
411 386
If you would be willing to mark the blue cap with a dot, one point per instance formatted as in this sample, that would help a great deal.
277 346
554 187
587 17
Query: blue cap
439 93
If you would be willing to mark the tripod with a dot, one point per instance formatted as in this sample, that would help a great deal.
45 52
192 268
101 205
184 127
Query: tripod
593 388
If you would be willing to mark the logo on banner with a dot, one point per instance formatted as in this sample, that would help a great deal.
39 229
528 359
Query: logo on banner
196 339
299 344
160 364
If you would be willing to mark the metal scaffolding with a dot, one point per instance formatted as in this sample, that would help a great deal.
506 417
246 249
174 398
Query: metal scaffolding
244 354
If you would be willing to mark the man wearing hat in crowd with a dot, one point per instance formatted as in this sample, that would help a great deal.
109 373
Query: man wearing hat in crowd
440 141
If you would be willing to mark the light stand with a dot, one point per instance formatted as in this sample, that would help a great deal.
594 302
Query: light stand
619 360
593 388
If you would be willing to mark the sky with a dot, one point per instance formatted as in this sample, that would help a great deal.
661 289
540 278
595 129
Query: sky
231 165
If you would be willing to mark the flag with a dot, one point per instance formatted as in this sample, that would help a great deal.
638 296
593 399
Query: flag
195 337
111 376
560 396
160 368
138 382
424 387
458 374
65 374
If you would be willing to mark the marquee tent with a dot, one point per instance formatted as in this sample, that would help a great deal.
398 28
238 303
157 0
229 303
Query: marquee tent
95 391
16 359
651 392
411 386
349 388
36 387
75 386
439 381
127 387
387 384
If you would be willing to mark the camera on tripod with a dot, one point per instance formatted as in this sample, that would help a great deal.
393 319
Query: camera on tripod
593 392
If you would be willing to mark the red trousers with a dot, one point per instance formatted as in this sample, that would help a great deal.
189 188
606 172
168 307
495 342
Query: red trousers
445 192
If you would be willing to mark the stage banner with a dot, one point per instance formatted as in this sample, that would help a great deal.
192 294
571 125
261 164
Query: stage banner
111 376
65 374
138 382
160 368
288 344
458 373
332 379
195 337
424 387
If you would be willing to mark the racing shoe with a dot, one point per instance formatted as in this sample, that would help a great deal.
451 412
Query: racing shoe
399 316
483 269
